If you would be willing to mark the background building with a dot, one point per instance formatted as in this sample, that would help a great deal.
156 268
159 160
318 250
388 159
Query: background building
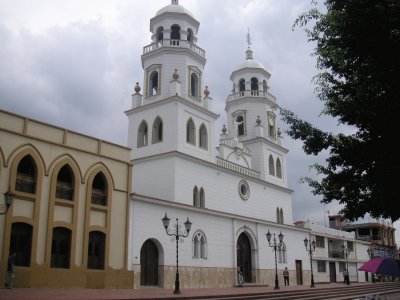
68 221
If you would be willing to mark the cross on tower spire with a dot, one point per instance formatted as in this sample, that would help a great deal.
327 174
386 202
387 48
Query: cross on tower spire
175 2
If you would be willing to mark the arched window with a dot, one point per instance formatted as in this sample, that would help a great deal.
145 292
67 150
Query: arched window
160 35
21 243
278 216
142 134
281 215
271 126
99 190
203 137
240 126
254 84
199 245
65 183
278 168
157 130
26 175
195 197
175 32
282 254
194 85
153 83
96 250
202 198
242 85
60 248
271 166
190 35
190 132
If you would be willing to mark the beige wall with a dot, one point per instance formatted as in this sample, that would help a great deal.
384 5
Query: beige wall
51 148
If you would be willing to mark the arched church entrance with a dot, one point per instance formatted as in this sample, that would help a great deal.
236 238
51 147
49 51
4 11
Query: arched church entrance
149 264
243 248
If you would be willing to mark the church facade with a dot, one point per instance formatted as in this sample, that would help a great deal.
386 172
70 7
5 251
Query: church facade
233 191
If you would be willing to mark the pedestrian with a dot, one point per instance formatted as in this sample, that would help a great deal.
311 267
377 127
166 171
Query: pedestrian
286 276
346 279
10 270
240 277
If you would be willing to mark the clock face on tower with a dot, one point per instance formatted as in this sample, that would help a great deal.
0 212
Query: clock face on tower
244 189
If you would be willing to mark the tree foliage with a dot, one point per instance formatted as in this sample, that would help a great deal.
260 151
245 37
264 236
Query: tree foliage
358 55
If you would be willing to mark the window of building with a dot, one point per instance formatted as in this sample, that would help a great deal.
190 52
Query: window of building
26 175
244 189
142 136
271 125
153 83
96 250
282 254
160 35
254 83
321 266
242 86
350 246
240 127
65 183
199 245
194 85
278 168
202 198
195 197
21 243
319 241
190 132
175 34
203 137
278 216
60 248
281 215
99 190
190 35
271 166
342 266
157 130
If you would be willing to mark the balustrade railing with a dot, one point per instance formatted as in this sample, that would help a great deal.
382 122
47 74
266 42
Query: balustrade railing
174 43
234 167
251 93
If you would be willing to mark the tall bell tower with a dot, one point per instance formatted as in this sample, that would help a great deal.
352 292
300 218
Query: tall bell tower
172 109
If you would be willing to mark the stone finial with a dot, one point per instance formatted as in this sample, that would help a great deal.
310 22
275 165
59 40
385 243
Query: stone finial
279 132
206 91
137 88
258 121
175 75
223 129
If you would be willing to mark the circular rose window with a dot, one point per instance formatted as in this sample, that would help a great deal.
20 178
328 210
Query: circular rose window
244 190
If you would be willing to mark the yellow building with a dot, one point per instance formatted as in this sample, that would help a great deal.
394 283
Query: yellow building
68 221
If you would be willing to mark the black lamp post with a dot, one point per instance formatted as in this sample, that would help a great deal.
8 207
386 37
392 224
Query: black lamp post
8 199
346 252
177 232
275 245
310 248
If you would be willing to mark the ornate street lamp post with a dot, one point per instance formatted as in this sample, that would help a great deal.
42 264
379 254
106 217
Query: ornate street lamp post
275 245
346 252
178 233
310 248
8 199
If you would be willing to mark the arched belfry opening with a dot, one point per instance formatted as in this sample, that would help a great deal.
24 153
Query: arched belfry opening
190 36
175 34
243 256
160 35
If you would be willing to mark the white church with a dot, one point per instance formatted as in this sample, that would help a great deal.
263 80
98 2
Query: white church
89 213
233 188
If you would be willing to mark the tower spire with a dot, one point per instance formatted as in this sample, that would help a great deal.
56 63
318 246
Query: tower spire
248 37
249 52
175 2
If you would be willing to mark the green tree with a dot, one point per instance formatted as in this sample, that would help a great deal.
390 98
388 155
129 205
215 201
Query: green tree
358 55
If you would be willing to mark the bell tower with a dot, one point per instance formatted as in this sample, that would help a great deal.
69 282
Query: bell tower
172 109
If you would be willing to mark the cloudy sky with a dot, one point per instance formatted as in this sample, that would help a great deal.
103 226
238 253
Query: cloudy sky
74 63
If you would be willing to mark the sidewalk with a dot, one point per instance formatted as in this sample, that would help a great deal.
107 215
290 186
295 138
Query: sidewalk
145 293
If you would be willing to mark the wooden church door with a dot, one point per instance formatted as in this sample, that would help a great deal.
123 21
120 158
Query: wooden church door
244 256
149 264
